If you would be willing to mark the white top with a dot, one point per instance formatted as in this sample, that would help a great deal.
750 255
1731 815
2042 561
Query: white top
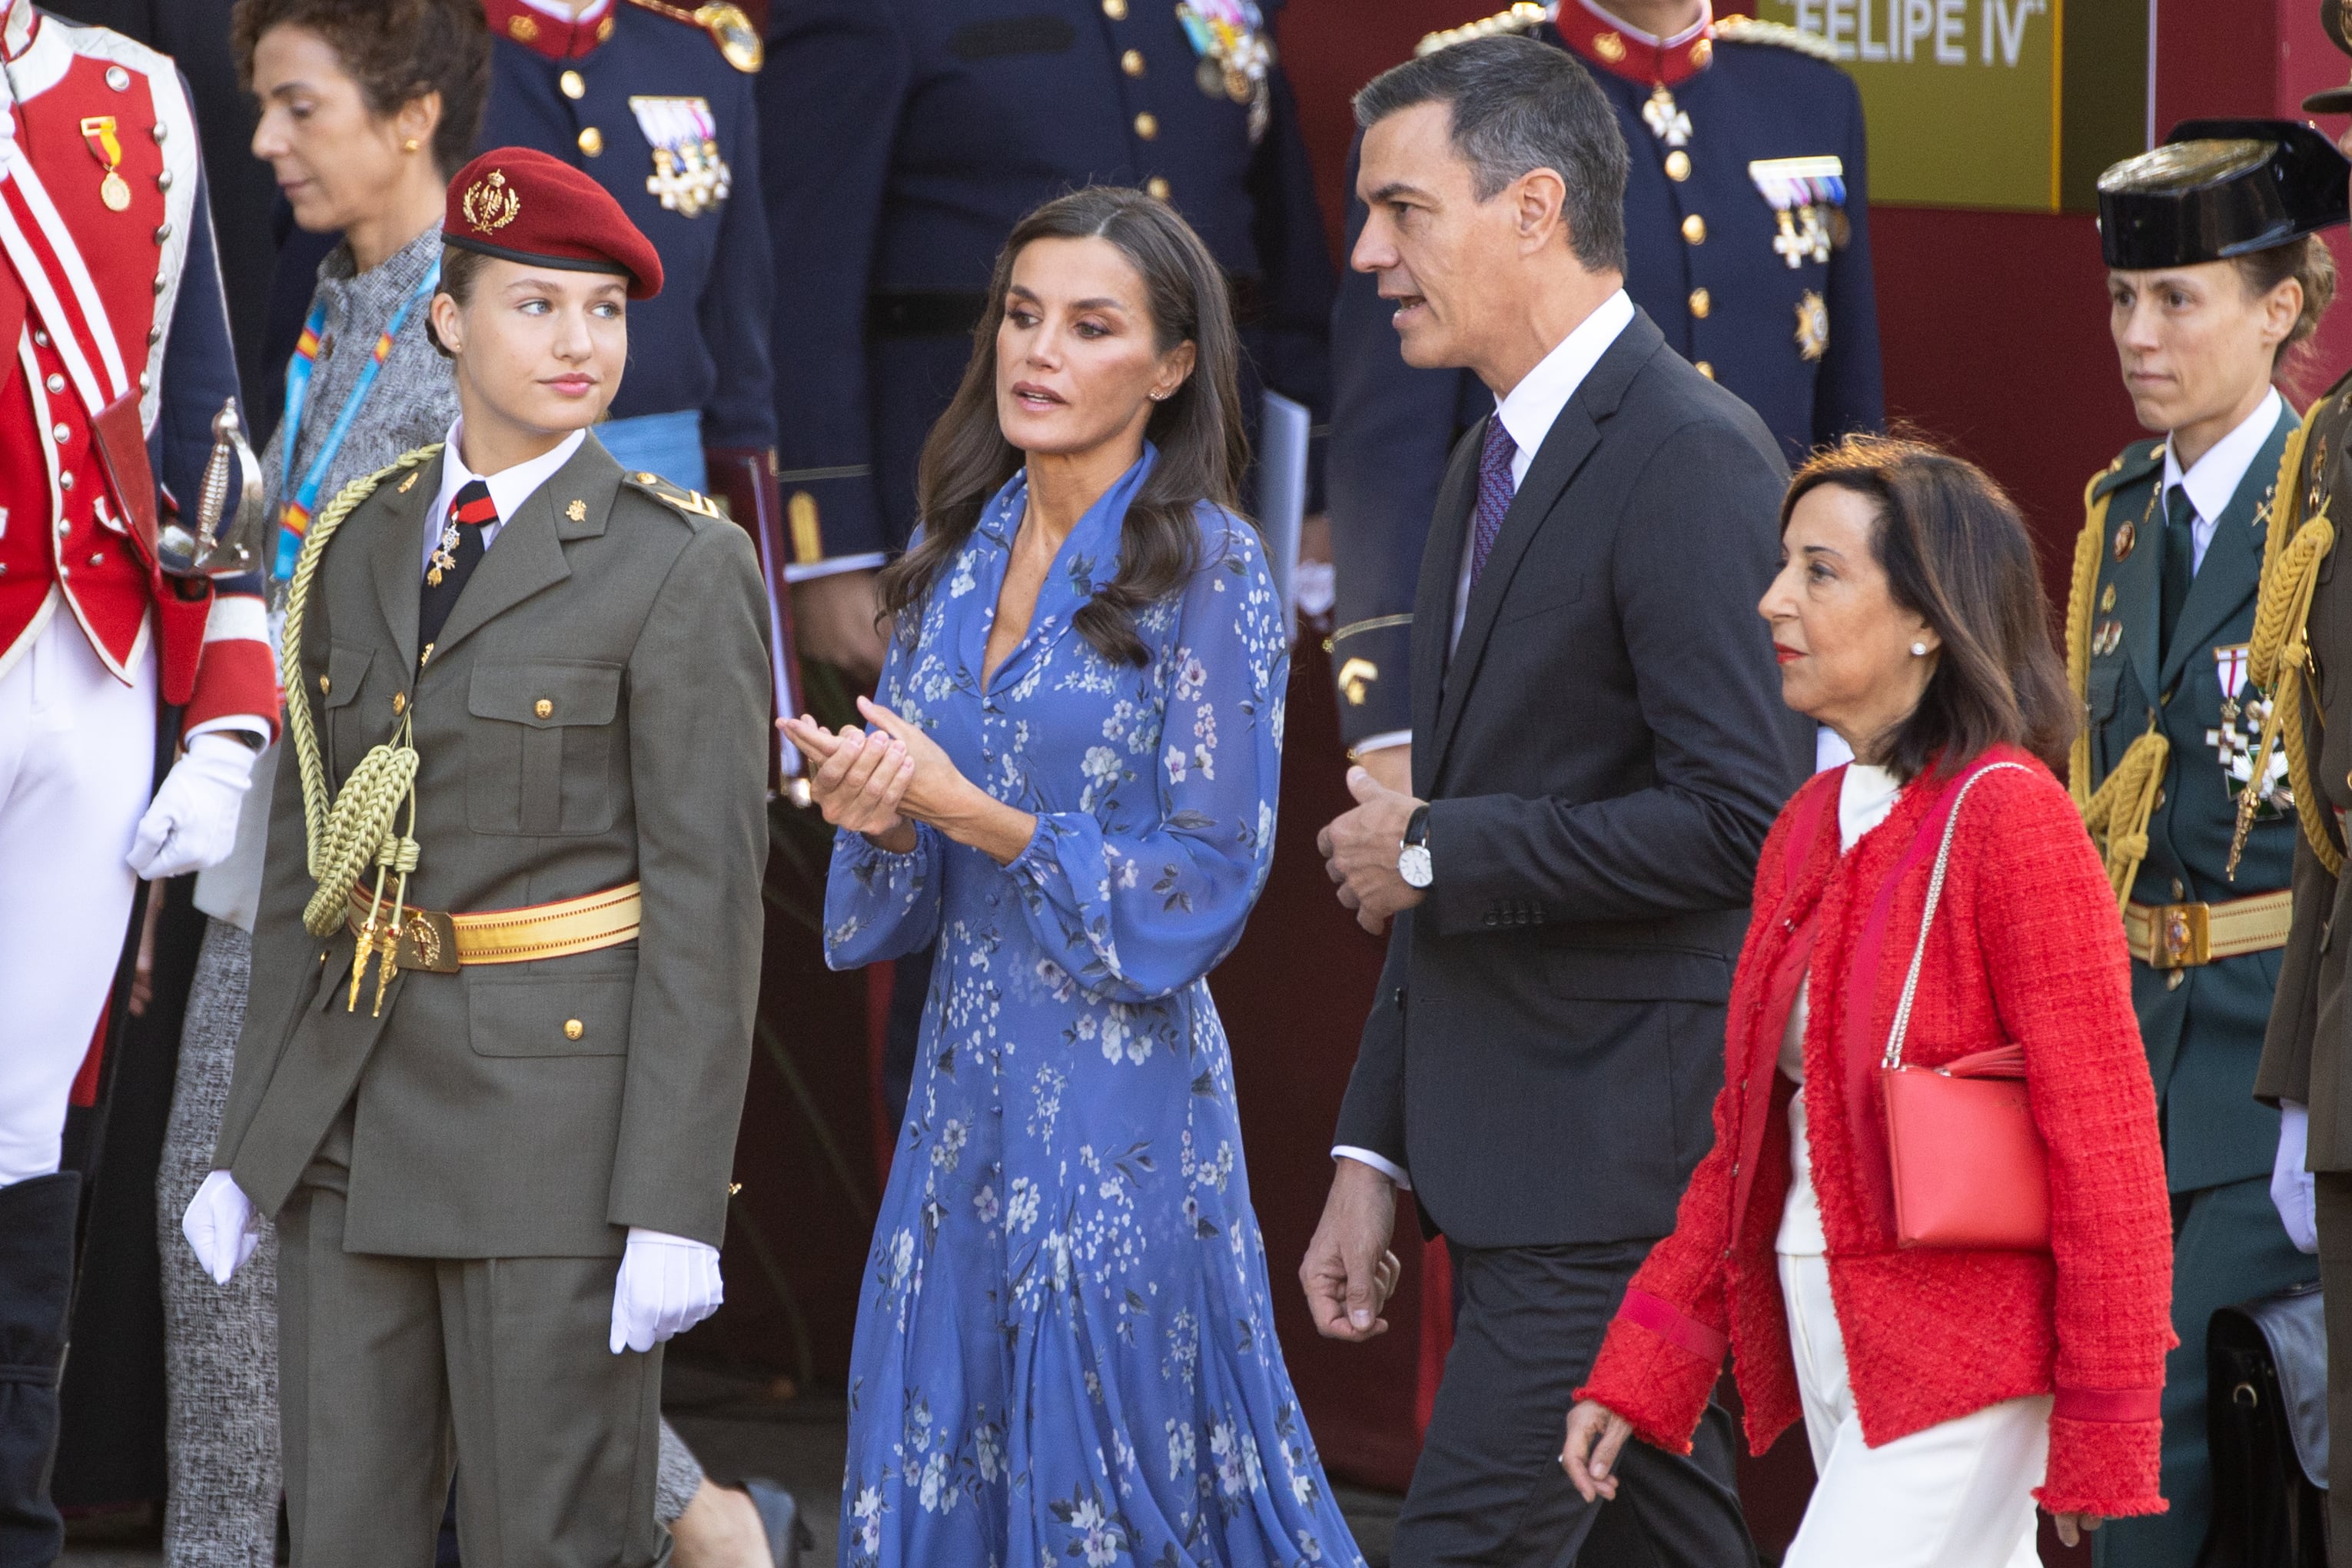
2214 479
509 487
1864 797
1529 411
563 13
1705 20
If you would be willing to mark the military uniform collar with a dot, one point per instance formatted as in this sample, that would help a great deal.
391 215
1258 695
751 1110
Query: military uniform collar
2135 463
18 22
2214 479
1626 52
550 30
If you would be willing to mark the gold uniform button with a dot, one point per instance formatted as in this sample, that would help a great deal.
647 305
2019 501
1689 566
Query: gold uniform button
322 686
573 87
1701 303
1678 165
574 1029
1705 369
1115 9
399 703
1694 229
1131 62
2107 599
592 141
1147 125
543 708
1155 188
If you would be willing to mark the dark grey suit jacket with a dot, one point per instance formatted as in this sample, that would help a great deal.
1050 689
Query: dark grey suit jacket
480 1129
1602 753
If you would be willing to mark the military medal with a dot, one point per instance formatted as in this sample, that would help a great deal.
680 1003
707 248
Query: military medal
1813 326
98 134
1229 36
2126 537
2235 743
689 176
1807 198
445 553
1666 121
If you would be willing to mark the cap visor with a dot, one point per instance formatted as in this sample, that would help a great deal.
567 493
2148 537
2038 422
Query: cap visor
2334 101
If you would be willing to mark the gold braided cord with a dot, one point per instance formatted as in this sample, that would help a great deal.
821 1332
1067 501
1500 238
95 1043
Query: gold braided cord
2117 812
2278 652
2089 546
356 833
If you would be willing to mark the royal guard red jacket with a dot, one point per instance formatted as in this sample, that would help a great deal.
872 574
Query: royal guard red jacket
2026 947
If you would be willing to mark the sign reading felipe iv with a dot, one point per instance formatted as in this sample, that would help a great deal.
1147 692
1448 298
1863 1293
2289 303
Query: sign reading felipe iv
1962 96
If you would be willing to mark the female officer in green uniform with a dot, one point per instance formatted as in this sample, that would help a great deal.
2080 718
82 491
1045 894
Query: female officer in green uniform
2214 273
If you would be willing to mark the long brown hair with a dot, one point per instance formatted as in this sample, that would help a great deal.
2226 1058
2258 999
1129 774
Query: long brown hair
1203 444
1956 554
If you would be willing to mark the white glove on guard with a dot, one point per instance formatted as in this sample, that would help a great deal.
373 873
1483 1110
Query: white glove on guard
222 1226
190 825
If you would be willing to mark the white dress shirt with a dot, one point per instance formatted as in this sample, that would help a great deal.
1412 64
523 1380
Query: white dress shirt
509 487
1527 411
2212 480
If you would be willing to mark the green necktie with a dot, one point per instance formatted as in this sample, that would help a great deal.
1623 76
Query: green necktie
2180 563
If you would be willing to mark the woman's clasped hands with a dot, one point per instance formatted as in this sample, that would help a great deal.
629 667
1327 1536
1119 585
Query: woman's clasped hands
881 781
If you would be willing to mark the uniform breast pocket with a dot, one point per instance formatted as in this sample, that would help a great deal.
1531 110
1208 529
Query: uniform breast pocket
347 667
546 754
548 1015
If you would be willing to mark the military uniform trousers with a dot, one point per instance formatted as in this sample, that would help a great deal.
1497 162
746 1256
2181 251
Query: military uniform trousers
392 1370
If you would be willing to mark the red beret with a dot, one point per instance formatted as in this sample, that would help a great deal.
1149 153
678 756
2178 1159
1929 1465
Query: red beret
523 205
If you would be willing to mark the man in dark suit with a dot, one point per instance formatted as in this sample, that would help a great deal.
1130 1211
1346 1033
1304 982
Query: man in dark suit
1606 749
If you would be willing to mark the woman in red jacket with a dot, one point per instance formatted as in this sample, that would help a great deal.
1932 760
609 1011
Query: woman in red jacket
1943 1390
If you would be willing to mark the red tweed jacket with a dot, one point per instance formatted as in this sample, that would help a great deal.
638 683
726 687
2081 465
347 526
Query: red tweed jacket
2025 949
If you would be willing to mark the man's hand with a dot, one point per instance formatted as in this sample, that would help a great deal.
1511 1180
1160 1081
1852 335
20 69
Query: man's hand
666 1285
1391 767
1349 1272
833 620
1360 852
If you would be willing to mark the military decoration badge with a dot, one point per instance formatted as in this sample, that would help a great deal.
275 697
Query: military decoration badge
1229 37
98 134
490 204
2242 715
689 176
1666 120
1807 199
1813 326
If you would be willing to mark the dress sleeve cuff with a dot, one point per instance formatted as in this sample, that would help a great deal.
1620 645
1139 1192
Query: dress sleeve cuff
1394 1172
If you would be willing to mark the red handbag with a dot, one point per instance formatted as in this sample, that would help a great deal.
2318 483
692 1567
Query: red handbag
1968 1165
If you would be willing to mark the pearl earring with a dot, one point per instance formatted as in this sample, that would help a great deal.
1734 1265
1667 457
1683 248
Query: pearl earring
1919 650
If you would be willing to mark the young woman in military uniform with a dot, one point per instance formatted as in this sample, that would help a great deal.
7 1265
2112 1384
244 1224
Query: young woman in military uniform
2215 274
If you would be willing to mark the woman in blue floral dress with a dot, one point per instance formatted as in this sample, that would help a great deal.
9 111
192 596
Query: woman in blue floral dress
1065 1349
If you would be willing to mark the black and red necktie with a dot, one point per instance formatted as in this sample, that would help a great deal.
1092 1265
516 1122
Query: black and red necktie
454 555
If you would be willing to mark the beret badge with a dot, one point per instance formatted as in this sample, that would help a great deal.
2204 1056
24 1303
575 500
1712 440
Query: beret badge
490 204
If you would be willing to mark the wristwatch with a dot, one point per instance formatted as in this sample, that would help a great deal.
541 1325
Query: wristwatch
1412 855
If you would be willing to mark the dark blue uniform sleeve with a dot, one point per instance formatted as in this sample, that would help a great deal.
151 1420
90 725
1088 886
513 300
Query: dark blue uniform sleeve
830 97
199 362
1393 427
1851 393
1289 237
737 298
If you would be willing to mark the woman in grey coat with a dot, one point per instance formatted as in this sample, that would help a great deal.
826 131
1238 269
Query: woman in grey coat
365 106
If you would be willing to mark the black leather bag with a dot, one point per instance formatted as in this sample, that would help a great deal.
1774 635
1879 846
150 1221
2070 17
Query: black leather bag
2266 1421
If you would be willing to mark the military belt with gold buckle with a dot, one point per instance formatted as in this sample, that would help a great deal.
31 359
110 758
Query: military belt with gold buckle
444 943
2182 936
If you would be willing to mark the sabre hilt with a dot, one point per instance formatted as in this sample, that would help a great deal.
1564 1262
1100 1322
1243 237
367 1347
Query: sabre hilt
231 524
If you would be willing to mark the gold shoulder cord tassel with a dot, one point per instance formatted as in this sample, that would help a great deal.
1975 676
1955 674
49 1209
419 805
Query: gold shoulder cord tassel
2278 653
2117 813
356 832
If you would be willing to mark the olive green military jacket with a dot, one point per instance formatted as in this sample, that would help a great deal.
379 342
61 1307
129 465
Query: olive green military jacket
595 711
2202 1025
2307 1054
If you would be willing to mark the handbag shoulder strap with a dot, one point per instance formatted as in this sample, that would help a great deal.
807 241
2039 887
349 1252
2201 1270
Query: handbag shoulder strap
1902 1024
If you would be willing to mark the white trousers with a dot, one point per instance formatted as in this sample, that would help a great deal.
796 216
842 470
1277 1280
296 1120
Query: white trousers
76 768
1958 1495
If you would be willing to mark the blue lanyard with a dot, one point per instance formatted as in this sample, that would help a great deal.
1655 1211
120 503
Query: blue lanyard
294 513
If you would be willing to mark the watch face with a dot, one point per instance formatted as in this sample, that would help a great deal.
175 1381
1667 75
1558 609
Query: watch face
1413 865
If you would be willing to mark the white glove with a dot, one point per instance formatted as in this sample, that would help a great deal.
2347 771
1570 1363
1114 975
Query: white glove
666 1285
221 1227
2293 1192
190 825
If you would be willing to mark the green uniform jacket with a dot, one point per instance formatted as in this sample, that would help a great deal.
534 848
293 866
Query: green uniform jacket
595 712
2204 1035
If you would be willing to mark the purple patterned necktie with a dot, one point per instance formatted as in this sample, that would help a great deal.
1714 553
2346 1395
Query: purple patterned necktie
1495 490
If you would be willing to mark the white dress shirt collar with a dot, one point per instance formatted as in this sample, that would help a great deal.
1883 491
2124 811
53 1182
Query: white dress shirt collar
2212 480
1530 409
563 13
1705 20
509 487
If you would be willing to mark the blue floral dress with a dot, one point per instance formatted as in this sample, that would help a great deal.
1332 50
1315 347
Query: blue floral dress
1065 1348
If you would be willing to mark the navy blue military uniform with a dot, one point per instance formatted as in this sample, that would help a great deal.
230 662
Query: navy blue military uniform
1747 250
905 140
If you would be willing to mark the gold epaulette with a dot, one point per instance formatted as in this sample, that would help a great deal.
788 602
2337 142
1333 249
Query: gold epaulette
1738 29
677 496
1524 17
729 27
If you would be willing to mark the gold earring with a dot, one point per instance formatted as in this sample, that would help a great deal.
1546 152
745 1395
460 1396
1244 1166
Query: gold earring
411 145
